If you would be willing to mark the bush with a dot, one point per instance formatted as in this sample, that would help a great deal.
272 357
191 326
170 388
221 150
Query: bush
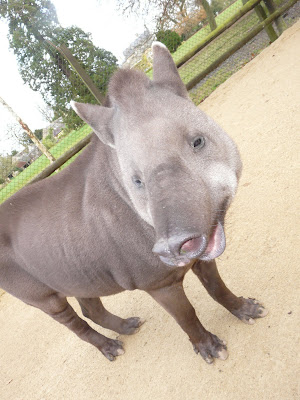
48 141
170 39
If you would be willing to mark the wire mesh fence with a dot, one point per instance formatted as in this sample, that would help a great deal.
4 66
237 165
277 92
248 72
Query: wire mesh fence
202 72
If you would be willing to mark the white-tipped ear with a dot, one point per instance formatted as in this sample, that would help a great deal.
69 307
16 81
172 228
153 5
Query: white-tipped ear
165 72
155 43
99 118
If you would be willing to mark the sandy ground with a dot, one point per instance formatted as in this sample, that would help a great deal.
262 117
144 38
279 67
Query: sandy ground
39 359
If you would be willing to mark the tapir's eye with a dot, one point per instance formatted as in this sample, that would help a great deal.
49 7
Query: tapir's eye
138 182
198 142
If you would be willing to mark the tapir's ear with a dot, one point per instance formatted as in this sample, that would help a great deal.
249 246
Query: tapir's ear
165 72
99 118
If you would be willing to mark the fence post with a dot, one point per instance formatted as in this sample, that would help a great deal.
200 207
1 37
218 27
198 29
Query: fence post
196 79
262 16
281 25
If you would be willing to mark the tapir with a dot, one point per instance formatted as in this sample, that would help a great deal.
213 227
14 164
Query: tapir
143 204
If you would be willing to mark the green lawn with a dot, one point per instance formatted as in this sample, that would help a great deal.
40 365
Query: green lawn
202 33
184 48
190 69
42 162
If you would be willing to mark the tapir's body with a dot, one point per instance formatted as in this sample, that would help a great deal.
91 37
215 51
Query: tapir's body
136 210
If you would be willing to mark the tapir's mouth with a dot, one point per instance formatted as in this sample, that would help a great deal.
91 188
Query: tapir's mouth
216 244
200 248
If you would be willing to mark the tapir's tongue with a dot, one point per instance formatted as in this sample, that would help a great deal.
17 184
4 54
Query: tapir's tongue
216 244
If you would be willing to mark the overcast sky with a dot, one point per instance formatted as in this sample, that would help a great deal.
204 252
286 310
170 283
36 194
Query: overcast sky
110 30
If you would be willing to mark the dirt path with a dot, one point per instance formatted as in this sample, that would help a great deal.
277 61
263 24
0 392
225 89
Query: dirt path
39 359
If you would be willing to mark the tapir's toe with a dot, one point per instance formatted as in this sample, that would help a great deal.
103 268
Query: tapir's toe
211 348
249 310
131 325
111 349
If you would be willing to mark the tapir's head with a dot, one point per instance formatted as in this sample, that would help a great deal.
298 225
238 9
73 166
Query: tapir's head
179 167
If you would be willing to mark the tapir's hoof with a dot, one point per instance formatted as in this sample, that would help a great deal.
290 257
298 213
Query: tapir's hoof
249 310
131 325
111 349
212 348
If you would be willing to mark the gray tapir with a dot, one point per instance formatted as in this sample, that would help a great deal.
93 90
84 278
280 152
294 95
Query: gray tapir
144 203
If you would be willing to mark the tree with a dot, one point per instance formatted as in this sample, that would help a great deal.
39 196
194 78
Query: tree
169 38
209 13
219 5
32 23
38 133
6 167
187 26
167 12
14 131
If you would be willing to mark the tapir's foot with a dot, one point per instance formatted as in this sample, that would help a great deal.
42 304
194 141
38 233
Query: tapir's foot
111 349
211 348
250 309
130 326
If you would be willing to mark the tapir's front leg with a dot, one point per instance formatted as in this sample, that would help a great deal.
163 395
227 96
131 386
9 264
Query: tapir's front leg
174 300
244 309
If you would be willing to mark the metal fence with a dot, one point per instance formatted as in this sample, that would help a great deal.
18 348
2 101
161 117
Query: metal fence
205 59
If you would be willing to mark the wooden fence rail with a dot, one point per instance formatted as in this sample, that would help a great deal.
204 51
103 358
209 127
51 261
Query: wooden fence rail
185 59
196 79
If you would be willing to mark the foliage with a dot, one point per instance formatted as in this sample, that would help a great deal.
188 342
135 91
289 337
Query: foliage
32 23
167 13
39 133
169 38
189 24
209 14
48 141
218 5
16 132
6 167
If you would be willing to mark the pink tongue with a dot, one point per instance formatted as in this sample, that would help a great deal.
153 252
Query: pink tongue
215 243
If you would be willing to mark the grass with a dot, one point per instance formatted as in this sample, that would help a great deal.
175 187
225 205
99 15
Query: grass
42 162
184 48
214 50
219 46
191 68
202 33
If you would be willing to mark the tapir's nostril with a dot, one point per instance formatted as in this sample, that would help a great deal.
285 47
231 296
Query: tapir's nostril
179 246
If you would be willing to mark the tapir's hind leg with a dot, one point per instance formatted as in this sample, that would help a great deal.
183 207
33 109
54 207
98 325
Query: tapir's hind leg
93 308
244 309
26 288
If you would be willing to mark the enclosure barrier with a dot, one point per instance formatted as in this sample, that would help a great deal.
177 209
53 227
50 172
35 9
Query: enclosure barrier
191 83
235 28
216 32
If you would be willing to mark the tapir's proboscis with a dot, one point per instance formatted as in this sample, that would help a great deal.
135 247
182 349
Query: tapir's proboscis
143 204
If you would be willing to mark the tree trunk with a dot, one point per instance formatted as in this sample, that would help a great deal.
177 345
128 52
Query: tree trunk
29 132
209 14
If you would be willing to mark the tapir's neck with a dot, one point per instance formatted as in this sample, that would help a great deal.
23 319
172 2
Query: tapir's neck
104 171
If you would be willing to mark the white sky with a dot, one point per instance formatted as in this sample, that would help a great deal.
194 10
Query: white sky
110 30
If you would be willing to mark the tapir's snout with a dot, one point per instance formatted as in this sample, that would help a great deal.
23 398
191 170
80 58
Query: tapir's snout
181 249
